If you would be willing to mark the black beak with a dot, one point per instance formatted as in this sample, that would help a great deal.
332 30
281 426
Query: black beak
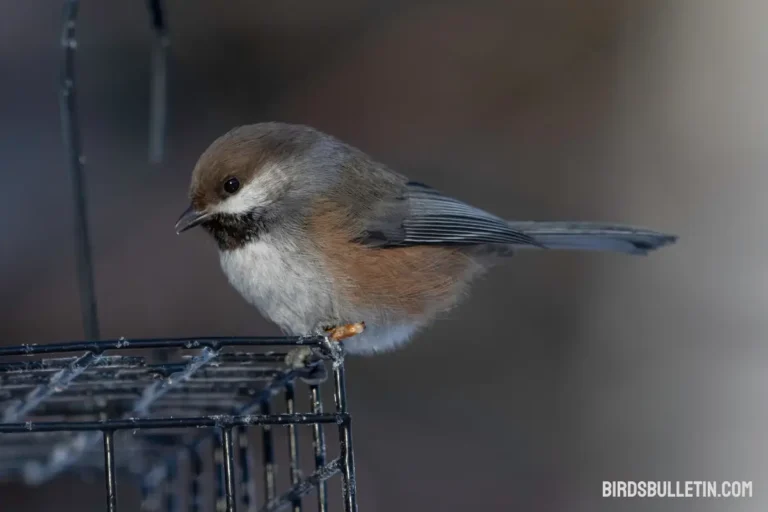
189 219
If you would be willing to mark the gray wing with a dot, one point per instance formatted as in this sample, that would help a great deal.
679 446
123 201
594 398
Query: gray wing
423 216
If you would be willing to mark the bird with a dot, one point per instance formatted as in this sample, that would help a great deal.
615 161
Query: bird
325 240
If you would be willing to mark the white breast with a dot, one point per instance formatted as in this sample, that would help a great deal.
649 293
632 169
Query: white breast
286 287
293 291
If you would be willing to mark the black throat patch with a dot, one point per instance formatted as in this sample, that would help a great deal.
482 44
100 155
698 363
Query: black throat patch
234 231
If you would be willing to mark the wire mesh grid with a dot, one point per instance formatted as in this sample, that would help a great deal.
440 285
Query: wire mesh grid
172 402
184 417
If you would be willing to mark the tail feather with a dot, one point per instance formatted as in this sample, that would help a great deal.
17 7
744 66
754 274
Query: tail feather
590 236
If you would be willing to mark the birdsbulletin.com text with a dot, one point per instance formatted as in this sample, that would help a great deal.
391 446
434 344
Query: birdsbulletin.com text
676 489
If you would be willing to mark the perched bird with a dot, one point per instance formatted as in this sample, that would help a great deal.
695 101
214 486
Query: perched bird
322 238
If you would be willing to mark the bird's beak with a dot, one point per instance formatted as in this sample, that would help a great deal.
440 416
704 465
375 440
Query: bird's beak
189 219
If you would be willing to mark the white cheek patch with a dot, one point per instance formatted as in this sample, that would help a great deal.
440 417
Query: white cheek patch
261 191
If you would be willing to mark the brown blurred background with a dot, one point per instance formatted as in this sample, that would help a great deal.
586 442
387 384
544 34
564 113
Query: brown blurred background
562 370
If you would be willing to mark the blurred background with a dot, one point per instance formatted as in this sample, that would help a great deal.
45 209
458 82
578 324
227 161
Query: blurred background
563 369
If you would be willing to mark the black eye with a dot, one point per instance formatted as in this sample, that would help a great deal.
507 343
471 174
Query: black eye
232 185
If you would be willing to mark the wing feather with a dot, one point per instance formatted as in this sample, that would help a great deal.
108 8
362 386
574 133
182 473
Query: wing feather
424 216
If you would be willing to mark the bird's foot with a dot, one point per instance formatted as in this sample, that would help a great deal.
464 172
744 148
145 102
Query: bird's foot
309 360
342 332
332 340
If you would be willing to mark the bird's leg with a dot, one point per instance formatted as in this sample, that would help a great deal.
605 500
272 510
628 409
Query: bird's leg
310 359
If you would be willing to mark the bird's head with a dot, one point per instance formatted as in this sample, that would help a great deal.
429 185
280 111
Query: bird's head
251 174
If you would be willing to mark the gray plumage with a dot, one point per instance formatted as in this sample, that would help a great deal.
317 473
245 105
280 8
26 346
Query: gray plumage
425 216
593 236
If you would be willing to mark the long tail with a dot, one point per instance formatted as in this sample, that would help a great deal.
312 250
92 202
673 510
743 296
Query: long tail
590 236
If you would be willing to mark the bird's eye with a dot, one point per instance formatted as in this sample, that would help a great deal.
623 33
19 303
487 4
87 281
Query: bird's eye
232 185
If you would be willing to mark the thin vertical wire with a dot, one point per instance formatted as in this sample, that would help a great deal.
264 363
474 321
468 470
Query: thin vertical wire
109 470
247 485
229 469
345 442
269 456
218 460
158 112
293 443
318 442
72 140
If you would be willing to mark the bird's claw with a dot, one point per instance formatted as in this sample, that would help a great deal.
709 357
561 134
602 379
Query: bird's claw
342 332
308 361
332 340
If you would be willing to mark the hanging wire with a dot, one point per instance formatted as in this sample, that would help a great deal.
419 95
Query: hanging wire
158 111
72 140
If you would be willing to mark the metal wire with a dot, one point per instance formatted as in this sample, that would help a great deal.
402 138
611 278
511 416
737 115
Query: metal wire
218 458
109 469
293 443
71 134
229 468
349 485
269 455
318 442
173 395
70 130
158 112
247 484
